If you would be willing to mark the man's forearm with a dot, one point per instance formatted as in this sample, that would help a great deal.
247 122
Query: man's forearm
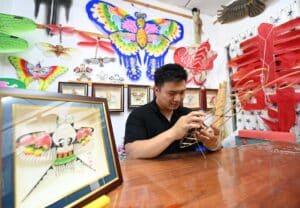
149 148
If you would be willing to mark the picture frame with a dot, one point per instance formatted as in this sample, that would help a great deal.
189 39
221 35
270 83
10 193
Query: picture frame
73 88
211 95
192 98
52 140
138 95
114 93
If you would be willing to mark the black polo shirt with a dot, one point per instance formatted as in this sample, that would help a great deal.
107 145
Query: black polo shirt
147 121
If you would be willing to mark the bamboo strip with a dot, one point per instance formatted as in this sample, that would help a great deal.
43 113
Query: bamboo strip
159 8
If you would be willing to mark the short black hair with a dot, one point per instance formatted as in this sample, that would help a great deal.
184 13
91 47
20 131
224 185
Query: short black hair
169 73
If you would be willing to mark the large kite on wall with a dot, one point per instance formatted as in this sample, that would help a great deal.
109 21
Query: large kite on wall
130 35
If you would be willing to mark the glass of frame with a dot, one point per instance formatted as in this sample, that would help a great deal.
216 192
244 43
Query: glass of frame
57 150
211 96
192 98
114 93
73 88
138 95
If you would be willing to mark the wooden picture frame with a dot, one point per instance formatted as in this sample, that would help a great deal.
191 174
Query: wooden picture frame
114 93
192 98
138 95
73 88
211 95
58 150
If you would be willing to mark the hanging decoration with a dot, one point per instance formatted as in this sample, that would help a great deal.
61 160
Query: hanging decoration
10 27
28 72
270 60
239 9
52 10
84 72
55 50
196 60
97 43
130 35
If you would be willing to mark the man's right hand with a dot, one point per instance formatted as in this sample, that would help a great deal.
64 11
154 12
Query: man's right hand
193 120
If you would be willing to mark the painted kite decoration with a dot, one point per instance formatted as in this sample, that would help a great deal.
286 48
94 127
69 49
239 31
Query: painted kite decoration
83 72
55 50
52 9
196 60
239 9
131 35
270 61
60 146
28 72
10 27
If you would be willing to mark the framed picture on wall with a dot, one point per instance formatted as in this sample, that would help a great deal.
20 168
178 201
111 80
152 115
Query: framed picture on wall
192 98
73 88
114 93
58 150
138 95
211 96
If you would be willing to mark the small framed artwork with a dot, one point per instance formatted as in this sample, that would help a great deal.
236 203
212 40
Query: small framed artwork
73 88
58 150
114 94
211 97
192 98
138 95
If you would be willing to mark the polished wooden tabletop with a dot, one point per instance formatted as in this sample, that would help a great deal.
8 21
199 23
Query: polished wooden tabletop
258 175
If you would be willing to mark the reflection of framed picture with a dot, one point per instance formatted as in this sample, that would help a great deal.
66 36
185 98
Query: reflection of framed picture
138 95
114 93
73 88
211 96
58 150
192 98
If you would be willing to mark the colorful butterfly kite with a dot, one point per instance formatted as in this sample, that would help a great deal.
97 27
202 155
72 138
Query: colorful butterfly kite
27 72
129 35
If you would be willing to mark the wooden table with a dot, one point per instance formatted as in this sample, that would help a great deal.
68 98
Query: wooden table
260 175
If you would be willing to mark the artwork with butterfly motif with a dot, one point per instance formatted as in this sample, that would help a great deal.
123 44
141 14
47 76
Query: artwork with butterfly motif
28 72
131 35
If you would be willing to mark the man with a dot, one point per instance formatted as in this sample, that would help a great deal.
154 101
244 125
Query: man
157 127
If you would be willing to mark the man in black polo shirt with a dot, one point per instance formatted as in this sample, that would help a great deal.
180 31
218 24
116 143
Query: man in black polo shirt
157 127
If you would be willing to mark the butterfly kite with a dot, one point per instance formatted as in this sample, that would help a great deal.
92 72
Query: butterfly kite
28 72
130 35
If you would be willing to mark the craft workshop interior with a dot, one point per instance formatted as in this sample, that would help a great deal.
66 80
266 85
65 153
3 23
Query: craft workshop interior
90 63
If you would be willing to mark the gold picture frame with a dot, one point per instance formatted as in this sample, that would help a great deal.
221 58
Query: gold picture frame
114 93
138 95
58 150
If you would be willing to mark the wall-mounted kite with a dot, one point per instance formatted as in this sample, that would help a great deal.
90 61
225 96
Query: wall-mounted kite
83 72
52 9
11 25
28 72
129 35
196 60
239 9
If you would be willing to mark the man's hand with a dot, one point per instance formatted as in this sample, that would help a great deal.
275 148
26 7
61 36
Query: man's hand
209 136
193 120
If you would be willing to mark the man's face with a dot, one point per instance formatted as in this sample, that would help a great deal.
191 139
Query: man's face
170 95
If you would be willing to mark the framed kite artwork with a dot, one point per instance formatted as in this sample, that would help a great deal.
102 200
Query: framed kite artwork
138 95
114 94
211 97
73 88
192 98
58 150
